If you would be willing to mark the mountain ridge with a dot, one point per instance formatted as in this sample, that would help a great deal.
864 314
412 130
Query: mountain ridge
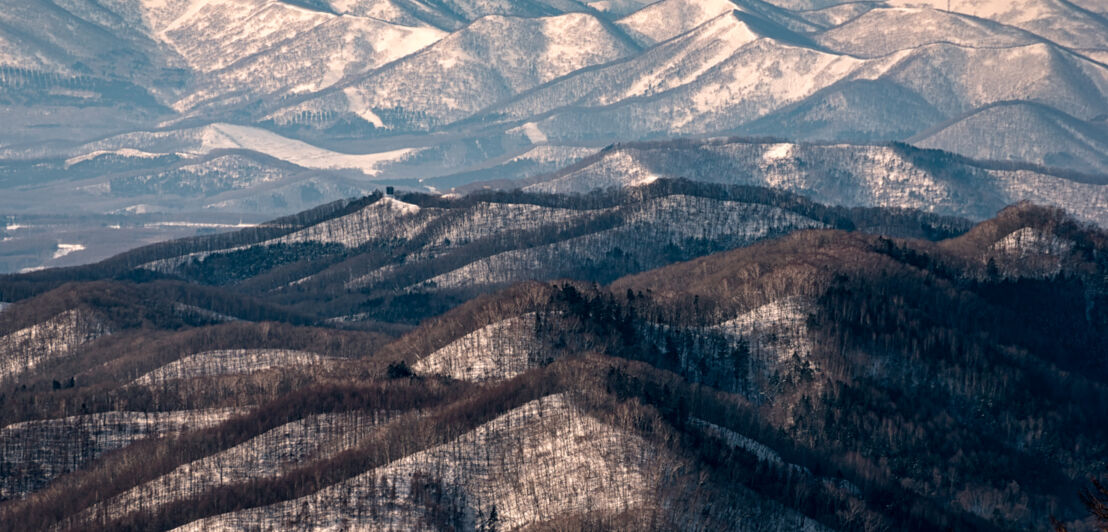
323 84
673 349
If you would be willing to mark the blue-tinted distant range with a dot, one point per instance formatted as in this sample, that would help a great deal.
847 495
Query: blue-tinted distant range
133 121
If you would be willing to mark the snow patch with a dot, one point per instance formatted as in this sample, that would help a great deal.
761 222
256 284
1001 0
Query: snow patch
357 104
122 152
267 455
735 439
534 134
553 154
774 332
66 249
35 452
229 362
203 225
230 136
777 152
401 207
387 217
669 18
1030 241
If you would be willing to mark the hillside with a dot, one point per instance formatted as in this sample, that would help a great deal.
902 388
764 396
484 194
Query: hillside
802 379
894 175
402 258
1083 151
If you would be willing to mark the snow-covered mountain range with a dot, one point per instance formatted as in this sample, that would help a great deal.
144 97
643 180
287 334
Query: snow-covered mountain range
203 113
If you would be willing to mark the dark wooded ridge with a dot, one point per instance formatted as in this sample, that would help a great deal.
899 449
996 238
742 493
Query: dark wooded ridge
918 383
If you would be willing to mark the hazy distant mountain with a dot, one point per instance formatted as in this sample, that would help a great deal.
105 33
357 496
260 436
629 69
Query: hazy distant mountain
1051 138
354 94
894 175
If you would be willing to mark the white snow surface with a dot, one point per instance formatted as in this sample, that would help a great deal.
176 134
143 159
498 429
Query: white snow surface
676 217
534 134
865 176
66 249
230 136
200 141
669 18
735 439
548 74
387 217
122 152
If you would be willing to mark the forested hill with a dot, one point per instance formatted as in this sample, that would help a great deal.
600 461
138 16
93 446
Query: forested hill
803 371
398 259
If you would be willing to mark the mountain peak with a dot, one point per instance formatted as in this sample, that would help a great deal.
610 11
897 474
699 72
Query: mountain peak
666 19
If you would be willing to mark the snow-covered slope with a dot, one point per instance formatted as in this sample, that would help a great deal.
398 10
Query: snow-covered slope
383 219
744 78
664 20
229 362
196 142
497 351
1048 137
774 332
887 176
1060 21
868 35
477 245
265 456
111 104
33 453
552 460
719 392
674 219
484 63
667 66
355 46
57 337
